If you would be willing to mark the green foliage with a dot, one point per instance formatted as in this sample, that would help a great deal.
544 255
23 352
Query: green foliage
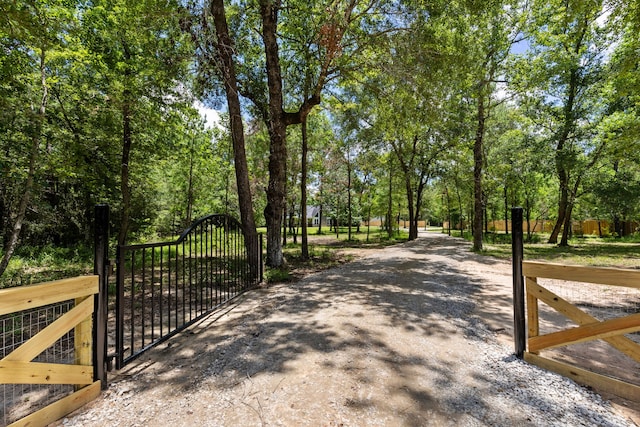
581 251
277 275
36 264
397 133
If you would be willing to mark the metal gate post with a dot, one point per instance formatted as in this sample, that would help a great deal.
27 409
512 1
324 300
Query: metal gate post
519 332
100 268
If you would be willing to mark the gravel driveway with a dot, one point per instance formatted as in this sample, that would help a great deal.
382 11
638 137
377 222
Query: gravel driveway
412 335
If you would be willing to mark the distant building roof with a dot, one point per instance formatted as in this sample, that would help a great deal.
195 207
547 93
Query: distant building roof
312 211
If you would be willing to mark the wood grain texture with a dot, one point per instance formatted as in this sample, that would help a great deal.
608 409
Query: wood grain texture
574 273
25 297
44 373
588 332
599 382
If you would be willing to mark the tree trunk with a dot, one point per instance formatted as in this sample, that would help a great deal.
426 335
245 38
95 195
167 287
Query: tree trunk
477 176
303 191
506 211
562 212
412 235
277 134
461 224
224 51
527 211
560 156
25 198
413 225
564 241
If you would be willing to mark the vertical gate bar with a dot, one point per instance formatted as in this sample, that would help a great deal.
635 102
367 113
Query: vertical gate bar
190 275
197 296
176 285
217 265
202 259
226 257
169 260
184 280
161 302
226 264
190 281
232 250
223 261
260 259
237 262
214 265
243 261
207 279
210 280
153 293
100 264
519 331
196 300
133 297
120 265
143 291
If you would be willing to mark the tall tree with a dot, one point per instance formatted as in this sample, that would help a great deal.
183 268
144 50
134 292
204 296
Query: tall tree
497 28
560 78
405 101
142 55
262 72
225 59
36 29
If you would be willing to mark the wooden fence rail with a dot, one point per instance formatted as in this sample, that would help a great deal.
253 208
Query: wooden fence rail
19 367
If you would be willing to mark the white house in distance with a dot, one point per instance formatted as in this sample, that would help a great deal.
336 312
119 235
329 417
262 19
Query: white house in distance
313 216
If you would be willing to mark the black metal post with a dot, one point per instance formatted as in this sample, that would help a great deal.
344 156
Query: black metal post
100 268
519 331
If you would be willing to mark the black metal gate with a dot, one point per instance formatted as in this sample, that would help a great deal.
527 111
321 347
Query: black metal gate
161 288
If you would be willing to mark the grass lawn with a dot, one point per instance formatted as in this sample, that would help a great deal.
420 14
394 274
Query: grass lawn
591 250
35 265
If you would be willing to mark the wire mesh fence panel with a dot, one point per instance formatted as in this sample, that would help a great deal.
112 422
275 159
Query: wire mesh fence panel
20 400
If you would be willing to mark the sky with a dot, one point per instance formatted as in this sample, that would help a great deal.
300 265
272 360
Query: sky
211 116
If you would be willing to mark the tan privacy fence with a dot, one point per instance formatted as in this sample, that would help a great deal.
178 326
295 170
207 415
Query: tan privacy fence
46 365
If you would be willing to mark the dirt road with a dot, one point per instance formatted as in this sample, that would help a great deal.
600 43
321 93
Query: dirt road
415 334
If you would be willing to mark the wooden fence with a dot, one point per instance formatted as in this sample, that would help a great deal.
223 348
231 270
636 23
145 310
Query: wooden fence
612 330
22 365
589 227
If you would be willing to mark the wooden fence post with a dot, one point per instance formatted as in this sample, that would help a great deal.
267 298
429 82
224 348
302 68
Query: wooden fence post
519 331
100 267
